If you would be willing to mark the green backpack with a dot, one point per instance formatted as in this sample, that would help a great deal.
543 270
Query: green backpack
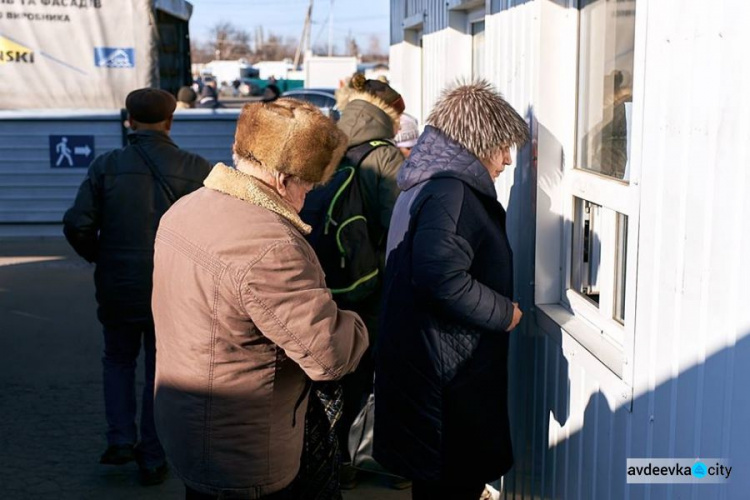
340 233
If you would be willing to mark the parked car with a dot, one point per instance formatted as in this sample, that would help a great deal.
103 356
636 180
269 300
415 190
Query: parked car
323 98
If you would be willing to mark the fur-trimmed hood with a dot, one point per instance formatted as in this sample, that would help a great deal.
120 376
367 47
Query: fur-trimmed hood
477 117
246 187
367 118
343 95
289 136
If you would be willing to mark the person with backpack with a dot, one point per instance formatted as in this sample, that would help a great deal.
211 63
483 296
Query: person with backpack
370 119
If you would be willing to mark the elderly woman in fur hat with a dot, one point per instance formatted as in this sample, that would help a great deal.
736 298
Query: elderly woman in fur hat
441 368
243 317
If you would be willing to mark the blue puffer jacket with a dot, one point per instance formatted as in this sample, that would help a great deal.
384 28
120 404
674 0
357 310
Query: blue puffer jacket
441 359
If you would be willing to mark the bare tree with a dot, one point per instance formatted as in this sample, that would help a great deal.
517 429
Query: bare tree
199 52
221 34
352 49
228 42
374 48
276 48
240 44
322 49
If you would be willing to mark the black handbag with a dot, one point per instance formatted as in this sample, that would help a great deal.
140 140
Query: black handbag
318 477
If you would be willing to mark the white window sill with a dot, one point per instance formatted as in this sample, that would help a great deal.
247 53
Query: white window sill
589 346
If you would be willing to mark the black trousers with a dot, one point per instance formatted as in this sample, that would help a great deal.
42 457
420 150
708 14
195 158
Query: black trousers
357 386
447 490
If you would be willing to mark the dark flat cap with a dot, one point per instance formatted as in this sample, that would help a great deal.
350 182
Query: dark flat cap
150 105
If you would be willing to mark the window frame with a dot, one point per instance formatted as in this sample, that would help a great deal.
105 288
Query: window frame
562 309
473 19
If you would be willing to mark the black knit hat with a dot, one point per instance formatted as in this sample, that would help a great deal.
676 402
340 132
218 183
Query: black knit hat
150 105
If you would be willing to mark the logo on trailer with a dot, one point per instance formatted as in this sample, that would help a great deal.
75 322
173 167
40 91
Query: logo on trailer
113 57
12 52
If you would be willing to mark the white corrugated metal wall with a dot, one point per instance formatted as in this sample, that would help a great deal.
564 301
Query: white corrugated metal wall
573 429
444 60
30 190
692 358
34 196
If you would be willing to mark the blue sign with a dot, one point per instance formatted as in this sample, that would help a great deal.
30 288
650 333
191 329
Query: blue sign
114 57
70 151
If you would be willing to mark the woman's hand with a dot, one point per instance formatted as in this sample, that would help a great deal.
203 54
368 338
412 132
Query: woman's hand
517 315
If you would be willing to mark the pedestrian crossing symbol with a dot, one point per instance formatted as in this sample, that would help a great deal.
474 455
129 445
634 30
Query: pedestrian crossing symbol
71 151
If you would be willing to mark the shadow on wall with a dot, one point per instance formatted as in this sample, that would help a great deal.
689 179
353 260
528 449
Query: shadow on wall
701 412
591 462
527 363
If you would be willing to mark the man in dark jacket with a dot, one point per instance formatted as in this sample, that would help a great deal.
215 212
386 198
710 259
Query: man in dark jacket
371 113
209 98
441 367
113 223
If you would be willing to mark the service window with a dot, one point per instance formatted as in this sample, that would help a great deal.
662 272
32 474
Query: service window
600 198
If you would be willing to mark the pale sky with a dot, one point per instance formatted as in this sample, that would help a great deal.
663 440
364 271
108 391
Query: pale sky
286 18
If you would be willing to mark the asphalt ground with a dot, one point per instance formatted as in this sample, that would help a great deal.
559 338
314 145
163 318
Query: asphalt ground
51 409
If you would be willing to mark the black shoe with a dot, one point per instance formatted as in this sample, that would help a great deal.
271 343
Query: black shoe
153 476
118 454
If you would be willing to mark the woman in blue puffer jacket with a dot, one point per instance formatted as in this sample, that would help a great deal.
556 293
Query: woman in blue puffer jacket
441 414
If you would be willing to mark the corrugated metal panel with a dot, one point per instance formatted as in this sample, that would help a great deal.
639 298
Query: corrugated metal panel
436 17
511 44
692 319
32 192
398 14
434 13
572 436
695 236
209 134
444 60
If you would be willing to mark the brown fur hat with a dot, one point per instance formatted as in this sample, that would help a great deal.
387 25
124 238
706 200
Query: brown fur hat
289 136
477 117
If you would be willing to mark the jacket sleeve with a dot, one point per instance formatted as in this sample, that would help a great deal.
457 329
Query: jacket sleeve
441 260
82 221
287 300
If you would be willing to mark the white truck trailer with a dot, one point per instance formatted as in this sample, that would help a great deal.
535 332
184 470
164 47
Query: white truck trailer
90 53
327 72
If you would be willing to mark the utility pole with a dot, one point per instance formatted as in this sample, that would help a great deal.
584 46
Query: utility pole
330 31
304 40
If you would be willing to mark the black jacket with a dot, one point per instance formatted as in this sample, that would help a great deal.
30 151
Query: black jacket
116 213
441 358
